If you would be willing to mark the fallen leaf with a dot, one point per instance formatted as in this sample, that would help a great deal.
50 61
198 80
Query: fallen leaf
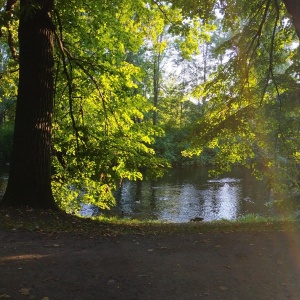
111 281
223 288
4 296
49 278
46 298
25 292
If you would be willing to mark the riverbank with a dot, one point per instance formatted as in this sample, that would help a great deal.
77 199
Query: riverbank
52 256
59 222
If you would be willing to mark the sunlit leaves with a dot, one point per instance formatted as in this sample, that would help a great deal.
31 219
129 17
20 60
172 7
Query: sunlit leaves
251 117
105 135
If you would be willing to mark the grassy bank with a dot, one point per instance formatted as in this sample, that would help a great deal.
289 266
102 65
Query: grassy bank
56 222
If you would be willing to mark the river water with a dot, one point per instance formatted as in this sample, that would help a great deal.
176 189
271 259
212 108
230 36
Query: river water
185 193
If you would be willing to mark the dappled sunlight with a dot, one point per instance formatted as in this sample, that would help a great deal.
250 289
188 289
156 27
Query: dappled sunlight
23 257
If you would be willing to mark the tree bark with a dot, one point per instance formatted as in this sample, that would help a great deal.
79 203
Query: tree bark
30 172
156 73
293 8
156 76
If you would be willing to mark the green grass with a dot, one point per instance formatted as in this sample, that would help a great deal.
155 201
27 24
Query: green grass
58 222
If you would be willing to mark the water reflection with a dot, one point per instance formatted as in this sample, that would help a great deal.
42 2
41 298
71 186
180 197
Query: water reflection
187 193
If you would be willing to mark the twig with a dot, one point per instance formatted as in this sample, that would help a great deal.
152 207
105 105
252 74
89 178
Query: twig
68 76
163 12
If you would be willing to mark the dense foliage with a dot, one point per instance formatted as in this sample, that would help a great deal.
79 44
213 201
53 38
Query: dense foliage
139 83
252 116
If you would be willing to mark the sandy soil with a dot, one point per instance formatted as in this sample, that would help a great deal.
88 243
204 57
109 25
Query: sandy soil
187 266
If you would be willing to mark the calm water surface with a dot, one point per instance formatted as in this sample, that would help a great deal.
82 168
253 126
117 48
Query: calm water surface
186 193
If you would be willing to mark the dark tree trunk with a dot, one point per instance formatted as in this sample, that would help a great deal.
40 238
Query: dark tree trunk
156 82
293 8
156 72
30 175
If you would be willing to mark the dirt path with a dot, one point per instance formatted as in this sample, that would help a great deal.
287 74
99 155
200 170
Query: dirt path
193 266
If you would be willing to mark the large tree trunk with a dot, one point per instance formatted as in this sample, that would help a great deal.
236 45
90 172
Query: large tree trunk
30 175
293 8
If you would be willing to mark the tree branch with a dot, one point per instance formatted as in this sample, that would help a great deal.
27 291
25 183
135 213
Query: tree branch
68 76
10 4
163 11
271 58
